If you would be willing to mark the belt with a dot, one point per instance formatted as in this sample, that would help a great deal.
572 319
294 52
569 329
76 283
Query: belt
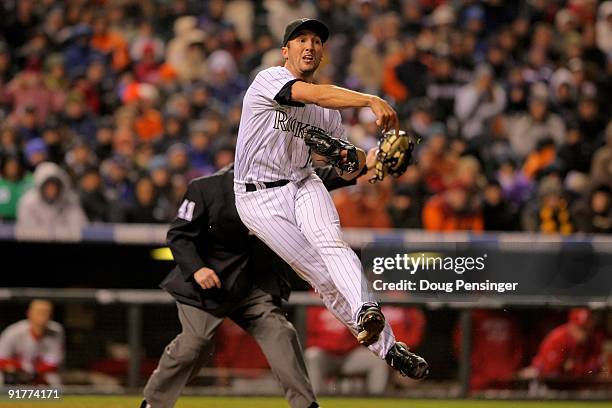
265 184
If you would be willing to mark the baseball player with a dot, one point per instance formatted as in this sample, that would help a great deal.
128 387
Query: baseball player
282 201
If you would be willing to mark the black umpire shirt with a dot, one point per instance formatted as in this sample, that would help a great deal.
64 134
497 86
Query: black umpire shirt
209 233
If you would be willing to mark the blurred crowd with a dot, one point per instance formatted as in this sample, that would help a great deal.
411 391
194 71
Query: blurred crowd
109 107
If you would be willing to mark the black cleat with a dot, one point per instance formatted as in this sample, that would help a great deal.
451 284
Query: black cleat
144 404
371 324
408 364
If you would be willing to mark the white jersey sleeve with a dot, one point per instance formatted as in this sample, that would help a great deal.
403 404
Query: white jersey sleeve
266 85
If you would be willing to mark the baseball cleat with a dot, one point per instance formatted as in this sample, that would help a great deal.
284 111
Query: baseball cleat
371 323
408 364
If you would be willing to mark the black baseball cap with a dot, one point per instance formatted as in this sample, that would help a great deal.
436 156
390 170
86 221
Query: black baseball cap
305 24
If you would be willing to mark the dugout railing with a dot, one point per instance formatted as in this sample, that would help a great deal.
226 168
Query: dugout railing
134 302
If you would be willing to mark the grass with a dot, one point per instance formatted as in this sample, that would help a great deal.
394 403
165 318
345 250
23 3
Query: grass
242 402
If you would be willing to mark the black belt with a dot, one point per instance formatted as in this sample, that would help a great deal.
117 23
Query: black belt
267 184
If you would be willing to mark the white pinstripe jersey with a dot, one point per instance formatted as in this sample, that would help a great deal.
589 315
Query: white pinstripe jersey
270 145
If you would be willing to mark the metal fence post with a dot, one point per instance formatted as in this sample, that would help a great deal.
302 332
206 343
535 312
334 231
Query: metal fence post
466 352
135 343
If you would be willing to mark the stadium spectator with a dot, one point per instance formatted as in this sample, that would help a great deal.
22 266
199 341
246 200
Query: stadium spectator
496 78
79 53
406 204
576 153
109 43
453 210
91 194
32 350
54 137
528 129
223 156
478 102
594 215
359 206
146 44
540 160
79 158
35 152
148 207
27 123
601 167
9 141
435 164
116 179
148 123
443 86
228 86
200 149
497 348
76 117
497 213
15 180
515 185
549 211
370 53
279 12
590 122
29 95
604 27
51 202
573 349
408 77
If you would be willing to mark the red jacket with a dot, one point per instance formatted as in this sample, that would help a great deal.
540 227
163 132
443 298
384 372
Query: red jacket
497 348
561 354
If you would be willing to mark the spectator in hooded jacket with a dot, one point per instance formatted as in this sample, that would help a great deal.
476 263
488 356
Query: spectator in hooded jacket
51 203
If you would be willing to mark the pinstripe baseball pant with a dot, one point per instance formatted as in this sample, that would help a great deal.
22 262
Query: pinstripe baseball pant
300 223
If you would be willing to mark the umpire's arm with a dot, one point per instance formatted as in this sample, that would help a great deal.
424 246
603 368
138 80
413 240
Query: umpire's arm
191 221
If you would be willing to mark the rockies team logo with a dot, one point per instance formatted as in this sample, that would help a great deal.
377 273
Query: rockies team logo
286 123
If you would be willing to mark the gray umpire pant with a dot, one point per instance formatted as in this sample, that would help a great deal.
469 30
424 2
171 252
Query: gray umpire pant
257 315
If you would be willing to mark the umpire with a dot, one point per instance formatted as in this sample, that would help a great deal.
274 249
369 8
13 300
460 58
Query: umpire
223 271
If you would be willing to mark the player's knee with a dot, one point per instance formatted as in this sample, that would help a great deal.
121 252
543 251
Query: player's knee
328 237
